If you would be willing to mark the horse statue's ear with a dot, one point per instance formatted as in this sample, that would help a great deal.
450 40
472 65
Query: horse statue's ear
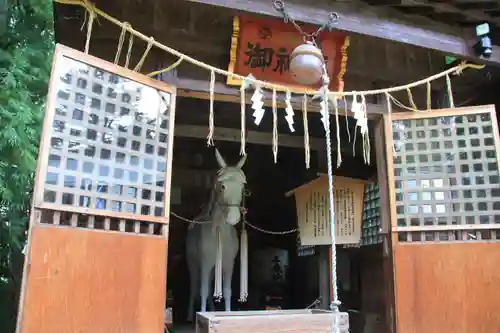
220 159
241 162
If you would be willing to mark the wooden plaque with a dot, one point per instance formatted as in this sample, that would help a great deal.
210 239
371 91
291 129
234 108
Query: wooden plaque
262 47
313 211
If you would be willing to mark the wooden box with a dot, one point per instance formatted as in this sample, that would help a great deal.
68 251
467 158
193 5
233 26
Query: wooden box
293 321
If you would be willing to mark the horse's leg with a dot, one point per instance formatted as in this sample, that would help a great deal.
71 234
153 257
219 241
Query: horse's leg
211 304
204 284
193 291
226 284
193 263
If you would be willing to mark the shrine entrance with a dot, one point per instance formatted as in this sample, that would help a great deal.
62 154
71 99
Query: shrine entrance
97 255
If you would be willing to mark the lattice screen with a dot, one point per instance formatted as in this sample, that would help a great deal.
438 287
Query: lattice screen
108 148
371 216
446 177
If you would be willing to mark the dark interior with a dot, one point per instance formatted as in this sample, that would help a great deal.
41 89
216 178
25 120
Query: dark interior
268 208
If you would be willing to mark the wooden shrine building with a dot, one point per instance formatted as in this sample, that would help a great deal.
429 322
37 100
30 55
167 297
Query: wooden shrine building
425 254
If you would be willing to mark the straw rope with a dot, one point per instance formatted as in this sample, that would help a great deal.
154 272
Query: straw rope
339 150
450 92
243 104
307 148
120 44
93 12
211 126
92 15
129 51
166 69
429 99
138 67
275 127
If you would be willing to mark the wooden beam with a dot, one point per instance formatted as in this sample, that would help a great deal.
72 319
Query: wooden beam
443 7
200 89
255 137
371 21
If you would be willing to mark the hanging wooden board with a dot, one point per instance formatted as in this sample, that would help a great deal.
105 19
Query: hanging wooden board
262 47
313 211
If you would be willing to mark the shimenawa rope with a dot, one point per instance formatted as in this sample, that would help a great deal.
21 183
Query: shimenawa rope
281 88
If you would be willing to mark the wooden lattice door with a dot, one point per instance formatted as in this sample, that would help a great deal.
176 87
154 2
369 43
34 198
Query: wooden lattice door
444 189
96 256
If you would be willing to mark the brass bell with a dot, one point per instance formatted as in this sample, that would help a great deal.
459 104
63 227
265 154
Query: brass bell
306 64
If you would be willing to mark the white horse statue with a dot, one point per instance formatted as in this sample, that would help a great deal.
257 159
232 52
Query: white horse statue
223 212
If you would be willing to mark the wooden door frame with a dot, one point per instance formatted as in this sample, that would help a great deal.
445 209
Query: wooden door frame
37 203
384 140
382 158
389 142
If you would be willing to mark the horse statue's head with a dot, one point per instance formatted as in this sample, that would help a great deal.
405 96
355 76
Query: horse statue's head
230 184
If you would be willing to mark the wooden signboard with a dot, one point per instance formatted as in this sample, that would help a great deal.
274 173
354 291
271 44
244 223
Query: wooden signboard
313 211
262 47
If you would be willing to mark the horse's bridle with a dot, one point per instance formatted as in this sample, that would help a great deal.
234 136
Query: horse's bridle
245 193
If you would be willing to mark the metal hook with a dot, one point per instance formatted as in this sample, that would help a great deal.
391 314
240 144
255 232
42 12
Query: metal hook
279 5
333 17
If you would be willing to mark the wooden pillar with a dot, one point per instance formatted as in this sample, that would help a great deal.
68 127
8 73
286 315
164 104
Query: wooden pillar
324 275
381 157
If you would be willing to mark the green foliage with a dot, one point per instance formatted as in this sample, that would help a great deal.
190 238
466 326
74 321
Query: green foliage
25 60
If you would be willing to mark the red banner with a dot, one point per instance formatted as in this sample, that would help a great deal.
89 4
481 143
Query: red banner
262 47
